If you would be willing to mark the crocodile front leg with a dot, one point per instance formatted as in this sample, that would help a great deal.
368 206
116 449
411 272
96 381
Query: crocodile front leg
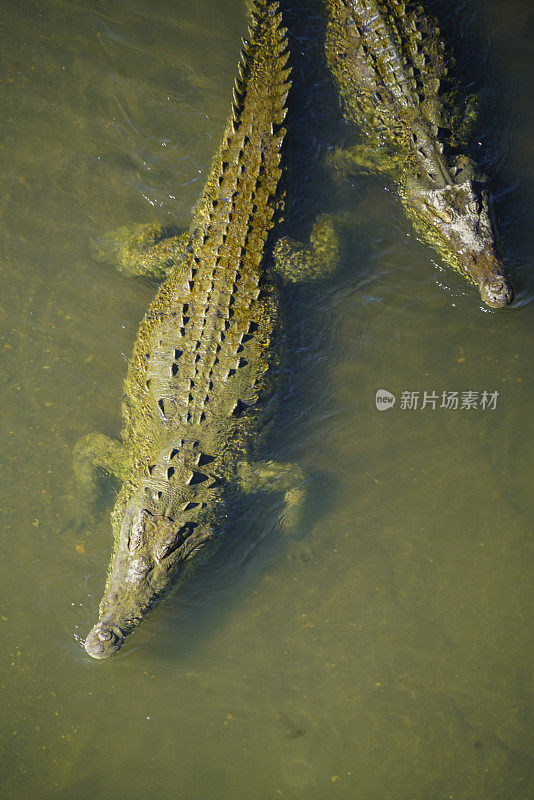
94 455
148 251
276 476
346 161
296 262
462 123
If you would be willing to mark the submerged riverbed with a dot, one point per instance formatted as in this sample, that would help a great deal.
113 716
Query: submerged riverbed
382 653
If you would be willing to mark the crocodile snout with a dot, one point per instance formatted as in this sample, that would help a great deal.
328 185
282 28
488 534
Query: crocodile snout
496 292
103 641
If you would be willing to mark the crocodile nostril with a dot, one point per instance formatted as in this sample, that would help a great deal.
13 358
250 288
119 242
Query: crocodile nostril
103 642
497 293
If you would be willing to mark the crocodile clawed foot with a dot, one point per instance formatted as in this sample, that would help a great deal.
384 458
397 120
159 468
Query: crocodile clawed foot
344 162
277 476
98 461
293 510
296 262
145 251
119 245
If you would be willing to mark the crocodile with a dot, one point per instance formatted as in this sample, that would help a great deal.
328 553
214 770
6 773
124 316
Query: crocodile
390 66
200 383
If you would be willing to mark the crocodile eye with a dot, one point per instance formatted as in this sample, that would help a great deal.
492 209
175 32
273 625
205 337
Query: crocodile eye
163 550
170 543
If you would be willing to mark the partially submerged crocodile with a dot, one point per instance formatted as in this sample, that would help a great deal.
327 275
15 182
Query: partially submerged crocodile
388 62
200 371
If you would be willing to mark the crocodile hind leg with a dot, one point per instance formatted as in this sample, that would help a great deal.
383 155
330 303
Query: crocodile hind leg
296 262
96 456
276 476
148 251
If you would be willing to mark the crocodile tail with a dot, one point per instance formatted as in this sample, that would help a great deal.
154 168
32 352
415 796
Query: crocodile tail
263 67
248 160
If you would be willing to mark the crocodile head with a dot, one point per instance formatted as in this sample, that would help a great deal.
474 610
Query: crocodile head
154 553
454 217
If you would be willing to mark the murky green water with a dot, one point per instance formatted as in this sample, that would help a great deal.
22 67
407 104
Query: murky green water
385 653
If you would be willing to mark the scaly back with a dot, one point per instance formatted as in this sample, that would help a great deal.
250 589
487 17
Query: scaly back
388 60
188 361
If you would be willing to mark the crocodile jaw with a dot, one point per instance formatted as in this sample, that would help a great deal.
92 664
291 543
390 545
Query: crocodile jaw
154 554
455 219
